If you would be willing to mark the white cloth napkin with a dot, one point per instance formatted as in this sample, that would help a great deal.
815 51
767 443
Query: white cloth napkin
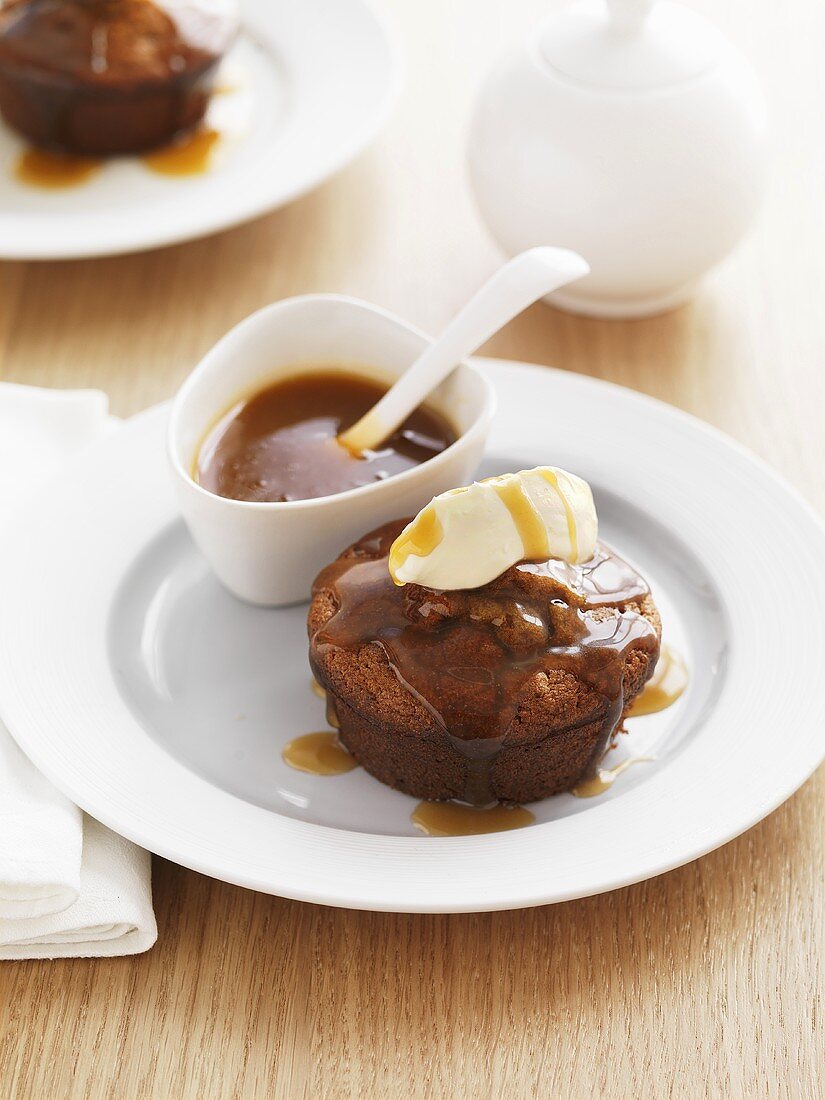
68 886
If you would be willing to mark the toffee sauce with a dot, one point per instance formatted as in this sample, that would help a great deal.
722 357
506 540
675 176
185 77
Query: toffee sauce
42 168
665 686
604 778
456 819
189 155
281 444
319 754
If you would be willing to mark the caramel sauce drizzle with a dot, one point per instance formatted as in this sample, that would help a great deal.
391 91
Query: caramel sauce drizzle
475 701
332 714
189 155
457 819
525 515
572 531
665 686
319 754
606 777
41 168
419 540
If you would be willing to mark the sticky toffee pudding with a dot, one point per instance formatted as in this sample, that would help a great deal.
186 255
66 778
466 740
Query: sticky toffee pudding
508 692
107 77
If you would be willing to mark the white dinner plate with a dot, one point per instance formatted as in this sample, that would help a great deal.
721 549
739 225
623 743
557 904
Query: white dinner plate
160 704
305 88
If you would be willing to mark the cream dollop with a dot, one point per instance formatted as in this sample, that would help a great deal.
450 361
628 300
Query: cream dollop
466 537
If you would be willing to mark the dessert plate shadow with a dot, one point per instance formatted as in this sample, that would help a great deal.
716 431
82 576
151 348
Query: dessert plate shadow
304 90
160 704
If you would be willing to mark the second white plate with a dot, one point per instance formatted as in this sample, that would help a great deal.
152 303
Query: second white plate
161 705
305 89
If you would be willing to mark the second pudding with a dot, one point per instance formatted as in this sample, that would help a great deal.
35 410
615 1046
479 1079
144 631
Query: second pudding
107 77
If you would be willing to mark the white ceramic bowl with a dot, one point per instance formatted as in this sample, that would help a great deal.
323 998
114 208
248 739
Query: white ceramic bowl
269 553
653 171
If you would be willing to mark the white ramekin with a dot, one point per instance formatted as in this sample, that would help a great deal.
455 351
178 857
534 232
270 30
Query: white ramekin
269 553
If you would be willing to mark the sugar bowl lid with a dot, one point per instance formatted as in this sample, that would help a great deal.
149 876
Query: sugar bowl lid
629 45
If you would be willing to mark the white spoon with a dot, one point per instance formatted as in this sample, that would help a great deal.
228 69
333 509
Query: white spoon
515 286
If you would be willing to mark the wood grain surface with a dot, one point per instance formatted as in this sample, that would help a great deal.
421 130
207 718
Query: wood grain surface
707 981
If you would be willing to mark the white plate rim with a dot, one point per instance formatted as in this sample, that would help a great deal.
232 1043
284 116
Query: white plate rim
679 814
217 218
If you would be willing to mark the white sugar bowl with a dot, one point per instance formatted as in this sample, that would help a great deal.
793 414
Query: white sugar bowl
632 132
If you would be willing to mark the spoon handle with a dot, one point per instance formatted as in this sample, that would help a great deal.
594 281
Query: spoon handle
516 285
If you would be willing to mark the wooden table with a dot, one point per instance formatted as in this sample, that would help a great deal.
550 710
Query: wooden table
707 980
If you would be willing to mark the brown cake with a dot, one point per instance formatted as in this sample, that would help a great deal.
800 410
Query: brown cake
100 77
509 692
